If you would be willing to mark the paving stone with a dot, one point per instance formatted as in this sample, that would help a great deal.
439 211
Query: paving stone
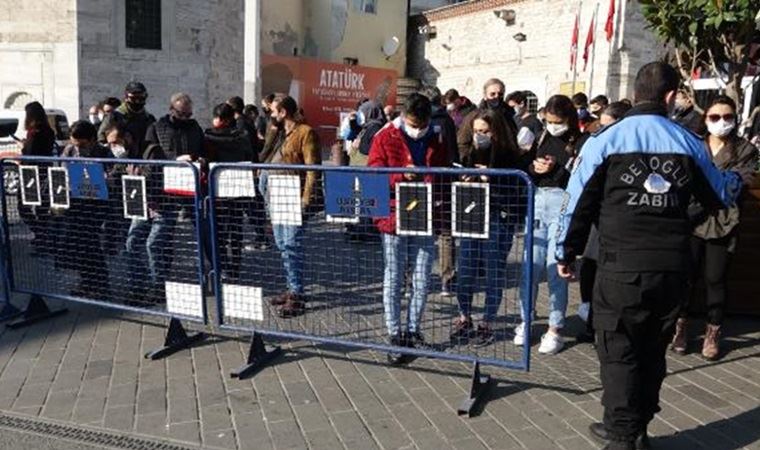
152 424
311 417
215 417
349 426
119 418
219 438
186 432
286 435
323 439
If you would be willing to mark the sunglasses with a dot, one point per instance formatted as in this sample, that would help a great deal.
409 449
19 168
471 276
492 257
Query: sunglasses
182 114
717 117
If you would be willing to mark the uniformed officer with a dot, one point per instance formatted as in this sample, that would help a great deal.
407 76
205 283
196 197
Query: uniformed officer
634 179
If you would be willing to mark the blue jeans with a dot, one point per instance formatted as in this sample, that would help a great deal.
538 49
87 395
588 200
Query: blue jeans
289 240
420 250
493 253
548 204
152 239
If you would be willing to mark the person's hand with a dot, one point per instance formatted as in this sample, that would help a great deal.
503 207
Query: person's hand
185 158
483 178
748 176
410 176
566 271
544 165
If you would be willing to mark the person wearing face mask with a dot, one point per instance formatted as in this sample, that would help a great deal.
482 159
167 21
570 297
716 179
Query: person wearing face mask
299 145
407 141
493 99
518 101
491 148
634 180
225 142
178 134
132 114
120 142
96 115
713 240
550 170
458 106
444 127
84 220
685 113
595 108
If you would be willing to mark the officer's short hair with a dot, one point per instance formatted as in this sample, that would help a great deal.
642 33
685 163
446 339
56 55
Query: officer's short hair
654 80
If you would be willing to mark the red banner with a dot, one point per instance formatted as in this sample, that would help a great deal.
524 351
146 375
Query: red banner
324 89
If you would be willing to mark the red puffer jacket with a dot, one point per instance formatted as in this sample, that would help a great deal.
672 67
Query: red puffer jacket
389 149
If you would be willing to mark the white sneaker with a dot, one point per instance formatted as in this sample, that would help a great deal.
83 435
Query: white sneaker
551 343
519 339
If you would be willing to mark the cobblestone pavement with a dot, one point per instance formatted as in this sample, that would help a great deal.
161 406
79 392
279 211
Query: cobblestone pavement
87 368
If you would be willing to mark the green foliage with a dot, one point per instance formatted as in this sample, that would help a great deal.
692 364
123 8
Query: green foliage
706 33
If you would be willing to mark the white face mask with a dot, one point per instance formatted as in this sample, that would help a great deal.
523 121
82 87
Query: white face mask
557 129
721 128
118 151
451 107
94 118
519 111
415 133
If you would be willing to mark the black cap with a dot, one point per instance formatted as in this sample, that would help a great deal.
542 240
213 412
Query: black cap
135 87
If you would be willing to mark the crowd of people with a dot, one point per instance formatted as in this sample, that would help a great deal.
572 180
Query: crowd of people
432 130
571 149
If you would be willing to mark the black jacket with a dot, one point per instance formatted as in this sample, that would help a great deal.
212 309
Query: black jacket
243 124
228 145
176 138
563 149
374 121
136 124
446 130
690 119
39 142
464 135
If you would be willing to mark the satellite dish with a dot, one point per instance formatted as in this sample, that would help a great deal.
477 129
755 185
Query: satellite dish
391 46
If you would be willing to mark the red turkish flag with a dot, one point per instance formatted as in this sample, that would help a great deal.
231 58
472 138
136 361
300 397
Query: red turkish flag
574 45
589 43
609 27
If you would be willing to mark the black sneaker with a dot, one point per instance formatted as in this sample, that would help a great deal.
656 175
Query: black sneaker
416 340
393 357
601 435
484 336
462 331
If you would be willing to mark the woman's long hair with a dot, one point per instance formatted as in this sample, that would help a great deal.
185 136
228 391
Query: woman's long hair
504 151
36 117
562 107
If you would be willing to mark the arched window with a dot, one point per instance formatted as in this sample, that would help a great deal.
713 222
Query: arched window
18 100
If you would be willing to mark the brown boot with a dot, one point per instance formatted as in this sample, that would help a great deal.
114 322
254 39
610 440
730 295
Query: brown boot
280 299
711 346
679 338
294 306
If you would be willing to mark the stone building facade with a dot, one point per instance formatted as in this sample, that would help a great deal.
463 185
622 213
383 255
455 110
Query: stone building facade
471 43
69 54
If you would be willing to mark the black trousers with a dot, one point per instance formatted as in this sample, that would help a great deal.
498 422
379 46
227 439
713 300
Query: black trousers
634 317
711 258
587 282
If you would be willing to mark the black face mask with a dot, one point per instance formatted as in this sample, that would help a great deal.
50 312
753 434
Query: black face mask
493 103
135 107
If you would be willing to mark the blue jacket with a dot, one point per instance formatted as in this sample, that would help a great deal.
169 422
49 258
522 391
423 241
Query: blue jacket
635 179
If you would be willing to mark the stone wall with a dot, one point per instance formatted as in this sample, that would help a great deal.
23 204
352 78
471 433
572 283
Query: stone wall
202 54
472 45
38 54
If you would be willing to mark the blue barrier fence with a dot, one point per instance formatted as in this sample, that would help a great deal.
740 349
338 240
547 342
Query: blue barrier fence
414 262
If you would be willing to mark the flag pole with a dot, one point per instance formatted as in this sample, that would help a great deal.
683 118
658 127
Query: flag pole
593 52
575 61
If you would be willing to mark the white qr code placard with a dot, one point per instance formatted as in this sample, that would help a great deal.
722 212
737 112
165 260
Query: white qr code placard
184 299
179 180
234 183
243 302
284 193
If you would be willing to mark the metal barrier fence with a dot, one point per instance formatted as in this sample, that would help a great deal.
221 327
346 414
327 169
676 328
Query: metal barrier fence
410 261
120 234
451 246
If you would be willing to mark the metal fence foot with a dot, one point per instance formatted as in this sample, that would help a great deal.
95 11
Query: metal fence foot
36 311
481 384
176 339
258 357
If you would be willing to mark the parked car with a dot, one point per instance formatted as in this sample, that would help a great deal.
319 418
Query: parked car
13 134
